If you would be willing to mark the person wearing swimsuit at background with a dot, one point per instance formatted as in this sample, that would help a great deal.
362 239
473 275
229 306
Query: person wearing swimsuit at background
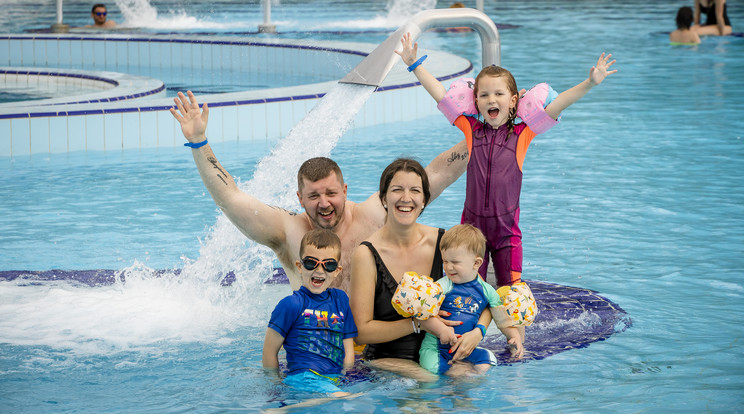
716 20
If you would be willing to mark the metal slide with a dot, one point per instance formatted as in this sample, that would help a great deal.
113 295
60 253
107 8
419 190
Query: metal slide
375 67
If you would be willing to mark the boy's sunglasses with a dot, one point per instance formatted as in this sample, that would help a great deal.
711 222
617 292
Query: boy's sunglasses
311 263
101 13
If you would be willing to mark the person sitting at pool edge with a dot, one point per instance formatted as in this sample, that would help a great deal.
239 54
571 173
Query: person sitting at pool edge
717 22
314 324
684 35
98 13
321 192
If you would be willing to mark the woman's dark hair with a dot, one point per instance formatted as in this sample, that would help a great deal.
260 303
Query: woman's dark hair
407 165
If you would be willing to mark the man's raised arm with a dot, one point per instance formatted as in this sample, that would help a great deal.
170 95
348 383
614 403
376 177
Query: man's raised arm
261 223
447 167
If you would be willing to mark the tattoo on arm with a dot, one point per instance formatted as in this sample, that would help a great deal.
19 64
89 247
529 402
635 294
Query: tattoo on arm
456 156
222 174
291 213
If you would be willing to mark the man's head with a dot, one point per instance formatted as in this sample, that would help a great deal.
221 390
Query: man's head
322 191
463 247
98 13
320 253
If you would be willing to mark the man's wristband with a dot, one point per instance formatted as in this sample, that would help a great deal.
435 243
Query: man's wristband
482 328
417 63
196 144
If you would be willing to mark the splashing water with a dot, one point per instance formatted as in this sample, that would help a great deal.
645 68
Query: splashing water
274 182
140 13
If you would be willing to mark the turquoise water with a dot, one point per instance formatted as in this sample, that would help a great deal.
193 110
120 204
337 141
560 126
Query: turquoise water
637 195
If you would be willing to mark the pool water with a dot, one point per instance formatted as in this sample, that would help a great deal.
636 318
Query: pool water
636 194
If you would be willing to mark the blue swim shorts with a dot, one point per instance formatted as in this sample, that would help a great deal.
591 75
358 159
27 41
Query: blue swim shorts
311 382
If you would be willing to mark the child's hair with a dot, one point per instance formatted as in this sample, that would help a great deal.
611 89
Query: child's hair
498 71
464 235
684 17
321 238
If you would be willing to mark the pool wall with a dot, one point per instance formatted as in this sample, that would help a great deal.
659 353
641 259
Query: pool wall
119 121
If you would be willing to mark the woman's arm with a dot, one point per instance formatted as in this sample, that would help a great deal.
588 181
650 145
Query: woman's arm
719 17
362 300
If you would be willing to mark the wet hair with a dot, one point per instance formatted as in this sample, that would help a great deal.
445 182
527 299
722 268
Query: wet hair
316 169
407 165
322 239
457 5
97 5
465 235
511 84
684 17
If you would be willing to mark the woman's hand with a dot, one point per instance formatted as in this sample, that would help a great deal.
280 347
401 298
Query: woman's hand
466 344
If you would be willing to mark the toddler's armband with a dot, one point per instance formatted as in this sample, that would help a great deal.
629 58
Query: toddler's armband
519 308
459 100
531 108
417 296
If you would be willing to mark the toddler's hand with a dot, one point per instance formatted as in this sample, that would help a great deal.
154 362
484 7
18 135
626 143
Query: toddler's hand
408 54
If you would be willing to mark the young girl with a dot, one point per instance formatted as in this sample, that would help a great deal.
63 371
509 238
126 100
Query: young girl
497 145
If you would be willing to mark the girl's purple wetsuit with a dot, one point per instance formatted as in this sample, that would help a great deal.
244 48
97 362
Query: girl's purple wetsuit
494 182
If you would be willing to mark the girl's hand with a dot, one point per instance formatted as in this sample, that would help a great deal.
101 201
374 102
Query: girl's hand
408 54
599 72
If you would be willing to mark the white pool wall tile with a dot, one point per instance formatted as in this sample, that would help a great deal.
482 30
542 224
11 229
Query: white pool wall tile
265 115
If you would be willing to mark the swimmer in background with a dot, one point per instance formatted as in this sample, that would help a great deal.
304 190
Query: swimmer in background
98 13
684 35
716 20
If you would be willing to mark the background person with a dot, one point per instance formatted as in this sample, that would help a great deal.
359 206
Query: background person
716 20
683 34
100 20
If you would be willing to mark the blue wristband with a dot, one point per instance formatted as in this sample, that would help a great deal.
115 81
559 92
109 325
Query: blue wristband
195 144
417 63
482 328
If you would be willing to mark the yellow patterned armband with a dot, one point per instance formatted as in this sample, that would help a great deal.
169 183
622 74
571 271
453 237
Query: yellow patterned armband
519 307
417 296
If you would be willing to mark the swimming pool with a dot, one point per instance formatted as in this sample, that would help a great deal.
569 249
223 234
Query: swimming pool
637 195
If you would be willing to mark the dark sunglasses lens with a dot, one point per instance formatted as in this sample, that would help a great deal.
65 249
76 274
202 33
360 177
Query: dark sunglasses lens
101 14
309 264
330 265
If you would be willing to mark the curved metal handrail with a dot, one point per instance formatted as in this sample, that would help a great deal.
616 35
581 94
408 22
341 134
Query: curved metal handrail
375 67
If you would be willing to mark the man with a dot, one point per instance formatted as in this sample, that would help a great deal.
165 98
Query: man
98 13
321 192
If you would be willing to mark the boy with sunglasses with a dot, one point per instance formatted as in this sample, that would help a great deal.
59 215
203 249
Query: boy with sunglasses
314 323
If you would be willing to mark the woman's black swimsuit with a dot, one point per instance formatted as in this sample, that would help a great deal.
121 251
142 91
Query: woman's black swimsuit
408 346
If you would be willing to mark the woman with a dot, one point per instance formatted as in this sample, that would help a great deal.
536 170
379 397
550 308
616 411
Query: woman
400 246
716 20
